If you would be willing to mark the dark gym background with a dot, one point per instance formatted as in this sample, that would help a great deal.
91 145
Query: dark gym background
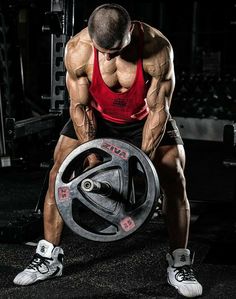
34 107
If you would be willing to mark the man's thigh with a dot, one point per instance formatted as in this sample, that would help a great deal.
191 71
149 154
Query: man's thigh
169 162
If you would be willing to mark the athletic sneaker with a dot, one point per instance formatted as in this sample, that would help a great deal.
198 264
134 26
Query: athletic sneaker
180 274
45 264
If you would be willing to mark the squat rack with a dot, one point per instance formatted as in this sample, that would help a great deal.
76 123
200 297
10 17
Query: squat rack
59 22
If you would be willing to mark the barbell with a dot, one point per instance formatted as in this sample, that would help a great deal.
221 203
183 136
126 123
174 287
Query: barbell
113 199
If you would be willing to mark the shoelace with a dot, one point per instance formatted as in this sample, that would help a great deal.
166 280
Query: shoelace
37 261
184 273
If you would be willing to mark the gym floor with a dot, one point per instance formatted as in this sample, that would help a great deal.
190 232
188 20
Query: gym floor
134 267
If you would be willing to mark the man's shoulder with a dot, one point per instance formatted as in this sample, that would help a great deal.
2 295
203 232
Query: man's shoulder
154 38
80 42
78 51
157 50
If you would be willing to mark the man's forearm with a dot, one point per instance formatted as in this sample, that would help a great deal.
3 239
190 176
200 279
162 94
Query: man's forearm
84 123
151 140
153 132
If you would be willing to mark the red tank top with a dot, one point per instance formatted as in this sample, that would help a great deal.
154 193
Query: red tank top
120 107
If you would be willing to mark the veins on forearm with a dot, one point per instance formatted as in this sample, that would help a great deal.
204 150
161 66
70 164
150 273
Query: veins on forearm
89 127
84 122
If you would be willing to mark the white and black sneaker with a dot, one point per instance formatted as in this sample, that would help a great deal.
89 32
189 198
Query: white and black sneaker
180 273
45 264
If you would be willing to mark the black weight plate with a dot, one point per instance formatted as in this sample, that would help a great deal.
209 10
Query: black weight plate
134 183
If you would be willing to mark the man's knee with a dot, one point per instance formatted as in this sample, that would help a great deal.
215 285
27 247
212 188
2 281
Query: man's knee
171 174
173 182
51 180
53 174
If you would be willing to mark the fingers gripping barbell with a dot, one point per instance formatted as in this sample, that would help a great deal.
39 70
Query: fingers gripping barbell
111 200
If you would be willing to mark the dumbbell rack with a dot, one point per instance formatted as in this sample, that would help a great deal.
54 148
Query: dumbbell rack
205 129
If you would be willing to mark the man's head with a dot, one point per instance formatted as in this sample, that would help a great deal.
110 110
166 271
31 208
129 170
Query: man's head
109 27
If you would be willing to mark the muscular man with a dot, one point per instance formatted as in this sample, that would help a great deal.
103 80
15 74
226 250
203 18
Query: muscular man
120 78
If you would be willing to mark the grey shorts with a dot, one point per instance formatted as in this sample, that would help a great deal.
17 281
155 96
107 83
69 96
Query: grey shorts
131 132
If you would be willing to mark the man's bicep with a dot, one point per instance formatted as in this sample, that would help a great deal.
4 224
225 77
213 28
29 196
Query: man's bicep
157 95
169 86
78 89
161 90
169 81
76 56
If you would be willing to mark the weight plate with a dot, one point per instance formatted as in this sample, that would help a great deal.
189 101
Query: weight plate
131 190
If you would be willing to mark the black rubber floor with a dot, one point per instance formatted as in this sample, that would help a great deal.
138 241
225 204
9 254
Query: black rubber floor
132 268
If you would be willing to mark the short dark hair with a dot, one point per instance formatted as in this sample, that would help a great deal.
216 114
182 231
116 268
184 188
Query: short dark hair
108 24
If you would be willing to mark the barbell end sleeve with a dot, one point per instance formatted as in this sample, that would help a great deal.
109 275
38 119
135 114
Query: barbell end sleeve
103 188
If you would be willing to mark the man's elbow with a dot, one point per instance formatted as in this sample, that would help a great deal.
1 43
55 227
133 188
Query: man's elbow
166 115
161 117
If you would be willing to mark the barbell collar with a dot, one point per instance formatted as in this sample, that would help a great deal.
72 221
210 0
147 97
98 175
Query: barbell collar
102 188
